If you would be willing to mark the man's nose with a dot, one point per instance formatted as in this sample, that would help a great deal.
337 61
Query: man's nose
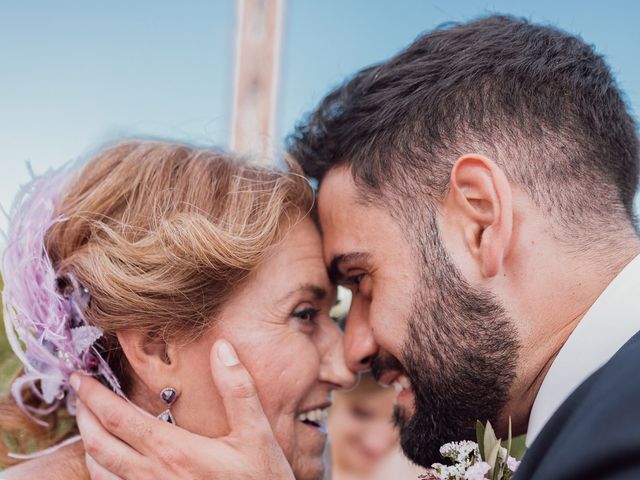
334 368
359 343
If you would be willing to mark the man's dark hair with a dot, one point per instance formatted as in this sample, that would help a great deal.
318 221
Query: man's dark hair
538 101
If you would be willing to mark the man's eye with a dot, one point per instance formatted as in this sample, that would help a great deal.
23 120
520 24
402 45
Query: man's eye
354 280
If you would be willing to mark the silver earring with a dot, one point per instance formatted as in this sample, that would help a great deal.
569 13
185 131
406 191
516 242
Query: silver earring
168 396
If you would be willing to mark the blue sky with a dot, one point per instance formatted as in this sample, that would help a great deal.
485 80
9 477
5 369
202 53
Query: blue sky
77 73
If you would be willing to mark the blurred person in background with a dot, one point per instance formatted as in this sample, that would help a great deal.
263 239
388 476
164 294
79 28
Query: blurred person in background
364 441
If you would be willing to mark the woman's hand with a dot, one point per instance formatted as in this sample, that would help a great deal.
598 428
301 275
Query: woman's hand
125 443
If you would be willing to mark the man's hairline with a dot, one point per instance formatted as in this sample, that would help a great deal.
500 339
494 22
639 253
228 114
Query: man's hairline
367 195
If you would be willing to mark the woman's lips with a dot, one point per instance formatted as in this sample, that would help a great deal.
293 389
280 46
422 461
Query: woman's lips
371 456
315 417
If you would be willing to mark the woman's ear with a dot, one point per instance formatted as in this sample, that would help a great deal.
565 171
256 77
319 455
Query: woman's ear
480 199
154 361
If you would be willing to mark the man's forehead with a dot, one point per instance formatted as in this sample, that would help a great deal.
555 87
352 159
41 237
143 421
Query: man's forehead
337 198
338 213
347 224
337 182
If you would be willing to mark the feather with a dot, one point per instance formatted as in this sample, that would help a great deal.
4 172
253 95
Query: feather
46 327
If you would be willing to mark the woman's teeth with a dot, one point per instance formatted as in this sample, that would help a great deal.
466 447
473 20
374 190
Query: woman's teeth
316 417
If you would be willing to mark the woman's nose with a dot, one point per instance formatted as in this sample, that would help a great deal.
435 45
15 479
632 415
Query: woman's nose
359 344
333 368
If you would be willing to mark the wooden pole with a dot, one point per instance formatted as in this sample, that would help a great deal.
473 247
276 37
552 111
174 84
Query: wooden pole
257 69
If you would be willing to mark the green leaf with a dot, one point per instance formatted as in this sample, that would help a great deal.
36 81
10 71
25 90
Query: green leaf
499 470
492 458
490 439
480 437
509 439
489 434
518 447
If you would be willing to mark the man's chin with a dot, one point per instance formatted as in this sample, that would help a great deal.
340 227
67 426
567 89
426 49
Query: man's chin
419 438
417 443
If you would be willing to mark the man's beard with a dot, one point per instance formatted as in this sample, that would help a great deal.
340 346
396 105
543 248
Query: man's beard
460 354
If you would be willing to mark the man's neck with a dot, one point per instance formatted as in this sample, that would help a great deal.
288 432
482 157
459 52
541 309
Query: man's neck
565 295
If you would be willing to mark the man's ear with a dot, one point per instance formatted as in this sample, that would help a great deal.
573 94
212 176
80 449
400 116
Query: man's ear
480 199
154 361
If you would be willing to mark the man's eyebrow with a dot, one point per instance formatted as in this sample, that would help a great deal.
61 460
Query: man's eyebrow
335 274
318 292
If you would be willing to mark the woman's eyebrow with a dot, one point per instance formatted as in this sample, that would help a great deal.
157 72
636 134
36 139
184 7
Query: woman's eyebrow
335 267
318 292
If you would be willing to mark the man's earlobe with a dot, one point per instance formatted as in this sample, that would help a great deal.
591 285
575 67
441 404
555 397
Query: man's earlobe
481 198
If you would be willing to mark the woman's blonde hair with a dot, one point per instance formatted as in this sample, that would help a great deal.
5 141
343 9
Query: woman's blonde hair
162 235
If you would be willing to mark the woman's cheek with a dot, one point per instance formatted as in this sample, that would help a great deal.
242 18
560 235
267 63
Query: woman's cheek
284 373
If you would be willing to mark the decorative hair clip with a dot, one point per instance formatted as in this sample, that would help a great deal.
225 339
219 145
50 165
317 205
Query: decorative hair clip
44 309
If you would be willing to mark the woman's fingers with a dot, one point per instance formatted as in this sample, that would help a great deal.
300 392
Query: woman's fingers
250 429
132 445
96 471
244 411
141 431
108 458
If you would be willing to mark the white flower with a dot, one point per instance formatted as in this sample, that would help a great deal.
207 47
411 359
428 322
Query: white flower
449 472
459 452
477 471
512 464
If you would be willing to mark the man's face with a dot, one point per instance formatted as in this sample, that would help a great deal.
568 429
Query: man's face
449 348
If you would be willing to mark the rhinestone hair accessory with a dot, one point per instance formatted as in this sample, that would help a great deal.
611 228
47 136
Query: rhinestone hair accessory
43 309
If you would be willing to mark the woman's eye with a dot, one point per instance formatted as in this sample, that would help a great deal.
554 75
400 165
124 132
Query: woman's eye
308 314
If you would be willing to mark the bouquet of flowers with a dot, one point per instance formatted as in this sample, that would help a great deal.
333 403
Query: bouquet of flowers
487 459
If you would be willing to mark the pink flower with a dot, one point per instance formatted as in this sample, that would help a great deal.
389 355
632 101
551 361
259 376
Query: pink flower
477 471
430 474
512 464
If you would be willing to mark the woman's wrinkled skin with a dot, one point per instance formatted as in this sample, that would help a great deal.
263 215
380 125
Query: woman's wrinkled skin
280 327
284 336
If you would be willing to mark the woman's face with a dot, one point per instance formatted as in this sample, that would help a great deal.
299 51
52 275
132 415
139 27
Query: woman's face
361 429
280 326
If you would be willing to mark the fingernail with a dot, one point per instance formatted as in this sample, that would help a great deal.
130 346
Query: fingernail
227 354
75 381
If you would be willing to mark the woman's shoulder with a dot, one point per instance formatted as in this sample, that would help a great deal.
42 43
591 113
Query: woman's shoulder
64 464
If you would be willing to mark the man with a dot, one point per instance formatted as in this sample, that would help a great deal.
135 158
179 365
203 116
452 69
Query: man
476 194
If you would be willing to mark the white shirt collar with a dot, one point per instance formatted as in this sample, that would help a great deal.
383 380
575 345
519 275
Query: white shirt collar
612 320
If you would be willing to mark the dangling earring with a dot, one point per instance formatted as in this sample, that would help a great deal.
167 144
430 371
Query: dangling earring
169 397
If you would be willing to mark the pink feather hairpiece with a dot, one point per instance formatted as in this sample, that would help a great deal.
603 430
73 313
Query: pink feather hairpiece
43 310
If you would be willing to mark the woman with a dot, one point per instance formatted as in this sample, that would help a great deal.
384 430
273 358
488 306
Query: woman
364 440
165 249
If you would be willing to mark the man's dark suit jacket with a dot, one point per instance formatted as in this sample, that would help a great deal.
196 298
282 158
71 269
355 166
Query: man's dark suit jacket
595 434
